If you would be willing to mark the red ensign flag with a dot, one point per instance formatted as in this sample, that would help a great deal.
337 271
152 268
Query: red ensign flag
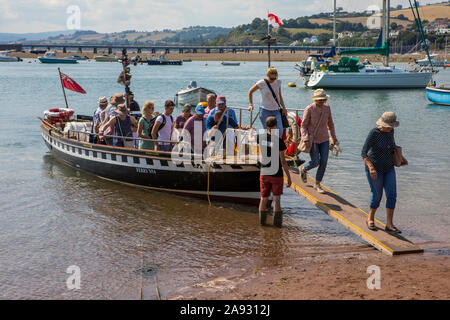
274 21
70 84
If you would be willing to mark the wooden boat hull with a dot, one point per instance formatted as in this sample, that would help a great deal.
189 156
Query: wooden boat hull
156 170
439 95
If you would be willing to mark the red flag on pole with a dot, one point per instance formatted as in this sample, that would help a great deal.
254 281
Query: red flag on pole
274 21
70 84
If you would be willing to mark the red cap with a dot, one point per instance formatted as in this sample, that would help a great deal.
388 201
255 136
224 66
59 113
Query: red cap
221 100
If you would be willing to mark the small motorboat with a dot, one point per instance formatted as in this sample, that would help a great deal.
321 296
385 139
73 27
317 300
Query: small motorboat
439 94
162 61
191 95
106 58
79 58
50 57
224 63
436 63
5 58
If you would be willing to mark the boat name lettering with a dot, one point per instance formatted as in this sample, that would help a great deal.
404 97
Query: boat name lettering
144 170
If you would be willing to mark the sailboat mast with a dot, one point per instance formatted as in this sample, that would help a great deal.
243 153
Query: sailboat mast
334 24
385 29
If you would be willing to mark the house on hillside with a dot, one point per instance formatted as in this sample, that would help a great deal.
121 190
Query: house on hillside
345 34
313 39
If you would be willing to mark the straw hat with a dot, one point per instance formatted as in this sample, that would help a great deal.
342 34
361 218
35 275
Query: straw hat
388 120
320 94
117 99
102 100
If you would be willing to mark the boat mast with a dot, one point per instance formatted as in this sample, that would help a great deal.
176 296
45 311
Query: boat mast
385 29
334 24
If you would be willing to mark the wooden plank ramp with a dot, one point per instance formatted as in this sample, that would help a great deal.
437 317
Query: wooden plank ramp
352 217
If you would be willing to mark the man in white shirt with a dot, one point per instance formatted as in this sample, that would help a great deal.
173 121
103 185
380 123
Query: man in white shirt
162 130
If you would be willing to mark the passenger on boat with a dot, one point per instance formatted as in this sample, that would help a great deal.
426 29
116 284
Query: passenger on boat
183 117
377 154
108 113
221 104
317 121
163 128
211 103
269 104
193 126
144 126
271 177
102 104
133 106
122 125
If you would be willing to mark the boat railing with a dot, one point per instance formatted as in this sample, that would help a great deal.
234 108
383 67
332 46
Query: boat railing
86 136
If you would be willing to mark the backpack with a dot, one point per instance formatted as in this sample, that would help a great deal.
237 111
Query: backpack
153 121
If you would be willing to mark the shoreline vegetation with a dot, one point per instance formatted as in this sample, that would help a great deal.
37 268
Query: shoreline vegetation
239 56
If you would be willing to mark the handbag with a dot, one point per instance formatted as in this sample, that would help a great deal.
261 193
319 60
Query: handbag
303 147
284 118
397 156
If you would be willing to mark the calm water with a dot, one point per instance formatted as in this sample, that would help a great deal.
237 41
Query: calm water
52 216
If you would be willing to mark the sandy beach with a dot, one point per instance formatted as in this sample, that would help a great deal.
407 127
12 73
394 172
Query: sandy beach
239 56
410 277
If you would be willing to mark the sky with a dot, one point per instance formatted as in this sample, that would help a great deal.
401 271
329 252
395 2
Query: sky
26 16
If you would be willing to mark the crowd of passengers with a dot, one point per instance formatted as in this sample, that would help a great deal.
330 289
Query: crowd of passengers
114 122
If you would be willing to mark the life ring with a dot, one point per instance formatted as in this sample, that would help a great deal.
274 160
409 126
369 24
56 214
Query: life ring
59 114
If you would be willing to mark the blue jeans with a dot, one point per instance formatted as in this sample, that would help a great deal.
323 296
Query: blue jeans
319 158
386 181
264 114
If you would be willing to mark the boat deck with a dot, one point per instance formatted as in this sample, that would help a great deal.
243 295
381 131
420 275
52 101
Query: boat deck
352 217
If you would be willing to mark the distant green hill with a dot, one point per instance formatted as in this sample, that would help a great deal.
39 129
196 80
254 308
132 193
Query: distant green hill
191 35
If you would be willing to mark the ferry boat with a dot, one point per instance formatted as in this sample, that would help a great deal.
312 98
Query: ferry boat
162 61
439 94
211 179
191 95
50 57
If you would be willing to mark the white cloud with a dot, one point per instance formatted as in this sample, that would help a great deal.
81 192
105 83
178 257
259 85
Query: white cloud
117 15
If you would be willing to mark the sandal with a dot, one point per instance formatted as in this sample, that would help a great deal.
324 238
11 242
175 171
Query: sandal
394 230
371 225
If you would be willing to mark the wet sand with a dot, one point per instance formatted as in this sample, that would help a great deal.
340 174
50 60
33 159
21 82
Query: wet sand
239 56
410 277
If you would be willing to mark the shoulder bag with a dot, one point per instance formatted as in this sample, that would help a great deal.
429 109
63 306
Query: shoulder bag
303 147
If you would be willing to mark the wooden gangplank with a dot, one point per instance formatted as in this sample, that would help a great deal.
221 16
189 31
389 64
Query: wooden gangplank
352 217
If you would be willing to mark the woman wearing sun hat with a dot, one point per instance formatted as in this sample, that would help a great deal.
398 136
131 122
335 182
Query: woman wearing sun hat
316 123
380 171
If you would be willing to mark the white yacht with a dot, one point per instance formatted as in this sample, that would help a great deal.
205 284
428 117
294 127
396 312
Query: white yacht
348 73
